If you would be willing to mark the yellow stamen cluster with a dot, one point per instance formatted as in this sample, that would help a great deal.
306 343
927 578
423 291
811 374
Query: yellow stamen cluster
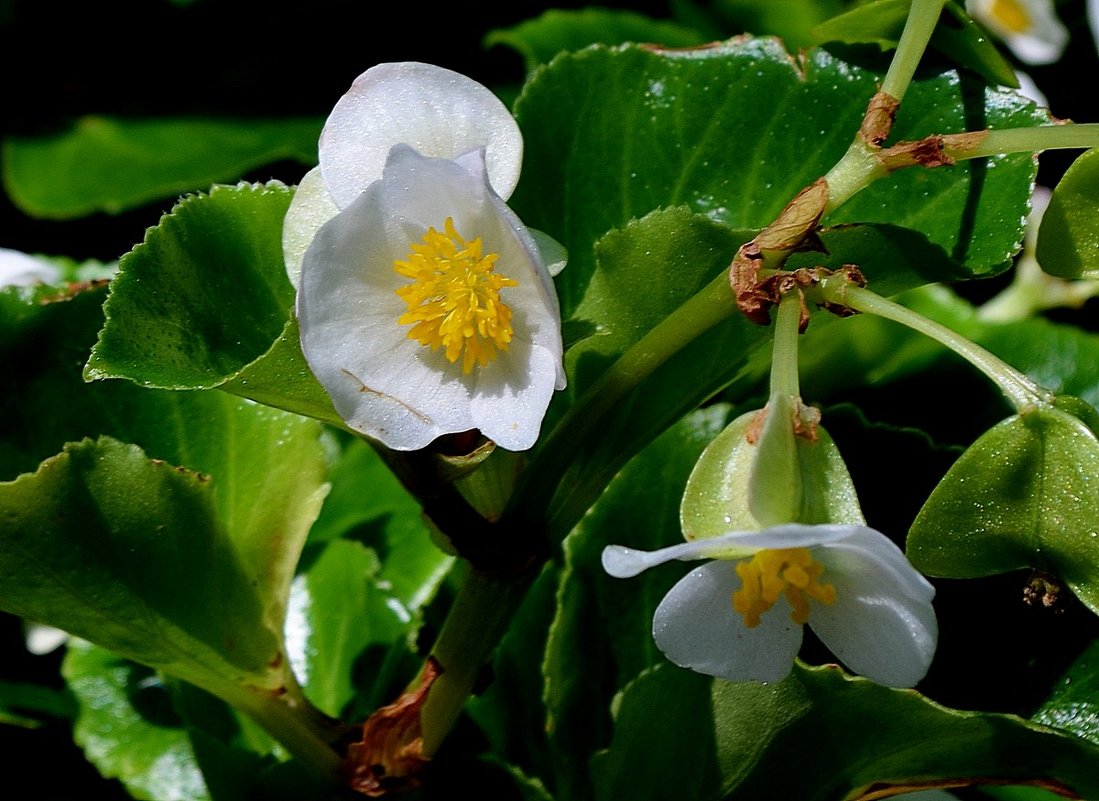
1011 14
772 572
454 297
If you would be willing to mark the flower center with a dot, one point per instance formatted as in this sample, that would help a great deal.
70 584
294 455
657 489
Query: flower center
1011 14
772 572
454 297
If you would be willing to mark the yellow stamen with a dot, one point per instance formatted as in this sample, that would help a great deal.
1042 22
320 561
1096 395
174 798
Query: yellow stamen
454 297
772 572
1011 14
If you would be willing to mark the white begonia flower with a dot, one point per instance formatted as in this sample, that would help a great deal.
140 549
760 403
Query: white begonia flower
19 269
1030 28
426 307
740 616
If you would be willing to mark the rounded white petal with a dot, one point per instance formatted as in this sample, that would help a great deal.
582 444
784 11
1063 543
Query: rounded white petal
310 208
696 627
19 269
882 624
386 385
440 113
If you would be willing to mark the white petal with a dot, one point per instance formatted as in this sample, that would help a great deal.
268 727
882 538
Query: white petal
310 208
19 269
866 546
1093 20
882 624
696 627
622 562
381 382
440 113
508 407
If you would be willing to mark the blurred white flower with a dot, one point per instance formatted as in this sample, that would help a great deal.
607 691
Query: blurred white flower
426 306
1030 28
19 269
740 616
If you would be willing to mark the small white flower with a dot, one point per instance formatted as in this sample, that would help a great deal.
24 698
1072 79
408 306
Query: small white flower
426 307
1029 27
19 269
740 616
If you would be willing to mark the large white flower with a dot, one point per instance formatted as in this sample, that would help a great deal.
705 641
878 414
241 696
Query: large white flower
426 307
1029 27
740 616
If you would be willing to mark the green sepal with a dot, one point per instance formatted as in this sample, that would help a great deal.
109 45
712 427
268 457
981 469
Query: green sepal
715 500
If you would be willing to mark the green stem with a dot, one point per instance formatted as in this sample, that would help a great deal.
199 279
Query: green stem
474 626
288 717
859 166
923 16
708 307
784 353
1019 390
1021 140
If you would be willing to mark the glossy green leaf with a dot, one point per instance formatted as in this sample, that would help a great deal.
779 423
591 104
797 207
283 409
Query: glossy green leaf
110 164
205 302
1068 237
716 498
327 635
128 727
957 36
602 632
80 554
721 740
733 132
539 40
1074 703
1023 495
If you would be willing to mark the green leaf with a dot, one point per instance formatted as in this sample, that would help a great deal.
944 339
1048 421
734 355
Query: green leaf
205 302
327 638
111 164
539 40
734 132
1068 237
719 740
957 36
602 632
1023 495
793 20
27 704
128 727
1073 705
127 552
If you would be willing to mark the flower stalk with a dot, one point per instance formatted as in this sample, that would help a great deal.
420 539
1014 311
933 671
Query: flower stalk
1016 387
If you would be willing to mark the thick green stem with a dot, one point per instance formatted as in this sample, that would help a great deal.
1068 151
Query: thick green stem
1019 390
474 627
